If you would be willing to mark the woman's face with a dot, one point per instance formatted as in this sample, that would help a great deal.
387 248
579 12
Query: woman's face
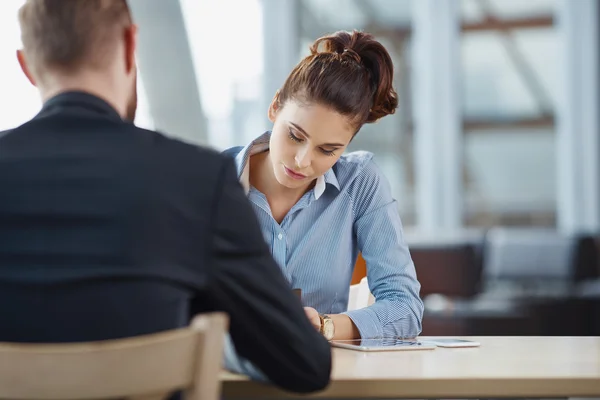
306 141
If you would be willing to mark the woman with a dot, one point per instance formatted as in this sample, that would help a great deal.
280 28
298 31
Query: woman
318 208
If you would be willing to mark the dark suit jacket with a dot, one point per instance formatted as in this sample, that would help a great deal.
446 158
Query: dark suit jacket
108 230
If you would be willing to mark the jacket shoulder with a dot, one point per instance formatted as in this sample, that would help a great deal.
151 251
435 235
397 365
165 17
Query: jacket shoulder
191 158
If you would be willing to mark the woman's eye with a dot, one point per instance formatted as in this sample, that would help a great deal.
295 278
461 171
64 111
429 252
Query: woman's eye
327 152
294 137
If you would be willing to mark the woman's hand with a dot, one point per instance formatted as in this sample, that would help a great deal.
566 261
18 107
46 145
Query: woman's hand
313 317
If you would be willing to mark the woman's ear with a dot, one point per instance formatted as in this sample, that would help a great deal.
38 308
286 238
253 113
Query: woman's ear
274 107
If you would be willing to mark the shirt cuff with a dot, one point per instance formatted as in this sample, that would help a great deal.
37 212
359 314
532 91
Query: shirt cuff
367 322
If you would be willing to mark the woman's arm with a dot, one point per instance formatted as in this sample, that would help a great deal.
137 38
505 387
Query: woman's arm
398 310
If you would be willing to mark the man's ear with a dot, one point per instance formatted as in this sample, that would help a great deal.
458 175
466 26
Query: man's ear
274 107
130 38
24 67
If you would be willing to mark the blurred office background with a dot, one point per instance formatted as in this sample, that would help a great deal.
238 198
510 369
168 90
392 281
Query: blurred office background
493 154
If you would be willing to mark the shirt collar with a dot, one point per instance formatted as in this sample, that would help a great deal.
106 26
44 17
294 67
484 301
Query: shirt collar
261 144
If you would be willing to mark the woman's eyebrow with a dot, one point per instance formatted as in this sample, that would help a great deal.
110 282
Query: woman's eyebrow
308 136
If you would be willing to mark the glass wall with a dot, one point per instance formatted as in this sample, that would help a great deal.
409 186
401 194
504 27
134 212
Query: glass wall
509 69
509 61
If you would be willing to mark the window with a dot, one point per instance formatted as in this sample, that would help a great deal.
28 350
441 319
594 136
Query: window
508 104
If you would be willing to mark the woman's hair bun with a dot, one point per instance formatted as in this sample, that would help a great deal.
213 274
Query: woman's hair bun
349 72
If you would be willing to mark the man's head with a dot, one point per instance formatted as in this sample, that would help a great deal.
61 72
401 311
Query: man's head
81 45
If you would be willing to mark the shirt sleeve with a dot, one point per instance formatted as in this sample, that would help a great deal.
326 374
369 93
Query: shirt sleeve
398 309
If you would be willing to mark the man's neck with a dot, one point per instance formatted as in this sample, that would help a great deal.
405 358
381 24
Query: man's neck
96 87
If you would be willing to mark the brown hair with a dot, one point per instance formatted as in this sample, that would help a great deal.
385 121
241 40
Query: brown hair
350 72
68 34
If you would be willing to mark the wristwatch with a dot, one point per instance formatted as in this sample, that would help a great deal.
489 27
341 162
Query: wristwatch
327 328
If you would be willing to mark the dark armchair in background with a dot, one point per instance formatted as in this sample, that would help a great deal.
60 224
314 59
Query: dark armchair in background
513 281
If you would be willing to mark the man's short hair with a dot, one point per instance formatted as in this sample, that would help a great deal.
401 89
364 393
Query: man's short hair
70 34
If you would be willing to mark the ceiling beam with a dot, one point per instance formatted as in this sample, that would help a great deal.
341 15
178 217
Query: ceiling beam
481 124
478 124
487 24
493 24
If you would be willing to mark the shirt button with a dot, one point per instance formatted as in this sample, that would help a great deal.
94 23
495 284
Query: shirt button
280 236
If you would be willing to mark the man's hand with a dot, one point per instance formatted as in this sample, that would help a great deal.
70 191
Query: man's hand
313 317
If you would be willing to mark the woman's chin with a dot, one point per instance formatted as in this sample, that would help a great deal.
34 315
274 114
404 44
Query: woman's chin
289 182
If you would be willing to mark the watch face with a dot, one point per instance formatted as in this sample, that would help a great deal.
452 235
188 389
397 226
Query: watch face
328 329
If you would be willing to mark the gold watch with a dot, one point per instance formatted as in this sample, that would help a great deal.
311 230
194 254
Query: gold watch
327 328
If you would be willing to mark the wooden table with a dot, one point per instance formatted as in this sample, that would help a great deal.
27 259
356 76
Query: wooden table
501 367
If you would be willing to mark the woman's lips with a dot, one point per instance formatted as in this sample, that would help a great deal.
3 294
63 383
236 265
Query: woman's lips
293 174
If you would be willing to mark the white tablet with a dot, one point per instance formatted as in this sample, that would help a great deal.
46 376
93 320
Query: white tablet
382 344
450 342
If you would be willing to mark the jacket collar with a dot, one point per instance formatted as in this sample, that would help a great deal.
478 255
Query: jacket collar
80 99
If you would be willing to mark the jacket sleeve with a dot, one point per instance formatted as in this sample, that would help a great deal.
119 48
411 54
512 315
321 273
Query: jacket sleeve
268 326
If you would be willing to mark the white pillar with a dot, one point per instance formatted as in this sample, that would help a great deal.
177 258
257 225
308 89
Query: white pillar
167 68
578 144
281 33
437 114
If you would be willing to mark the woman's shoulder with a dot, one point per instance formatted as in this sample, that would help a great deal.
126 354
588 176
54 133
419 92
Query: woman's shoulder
357 166
232 151
364 182
356 158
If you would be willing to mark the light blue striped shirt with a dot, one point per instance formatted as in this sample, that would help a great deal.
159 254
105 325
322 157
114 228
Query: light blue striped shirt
350 209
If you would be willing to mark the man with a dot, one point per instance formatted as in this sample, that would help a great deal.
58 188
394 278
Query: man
108 230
